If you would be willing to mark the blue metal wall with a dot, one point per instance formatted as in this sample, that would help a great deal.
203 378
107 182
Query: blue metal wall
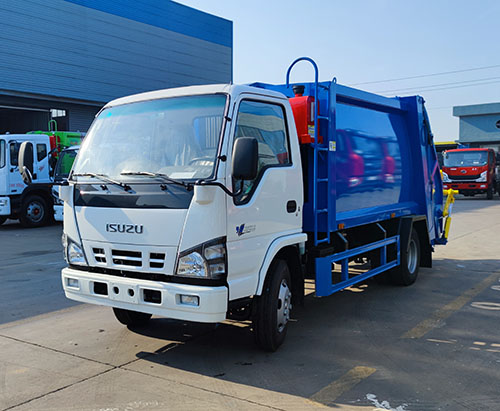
99 50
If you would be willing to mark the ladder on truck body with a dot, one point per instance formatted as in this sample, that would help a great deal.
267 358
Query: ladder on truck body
322 160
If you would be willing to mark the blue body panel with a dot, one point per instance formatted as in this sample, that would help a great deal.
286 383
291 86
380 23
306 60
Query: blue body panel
372 159
382 160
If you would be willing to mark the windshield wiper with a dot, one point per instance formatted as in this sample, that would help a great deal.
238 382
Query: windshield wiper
104 178
160 176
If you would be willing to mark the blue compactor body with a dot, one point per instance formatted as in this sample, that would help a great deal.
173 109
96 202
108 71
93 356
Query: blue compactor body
372 184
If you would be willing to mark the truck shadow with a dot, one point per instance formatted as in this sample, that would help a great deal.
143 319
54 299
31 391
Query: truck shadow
361 326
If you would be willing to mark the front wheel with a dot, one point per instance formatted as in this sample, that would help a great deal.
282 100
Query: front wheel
131 318
270 323
3 219
34 212
407 272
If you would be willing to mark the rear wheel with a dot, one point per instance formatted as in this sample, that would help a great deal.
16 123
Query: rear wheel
34 212
270 323
3 219
131 318
407 272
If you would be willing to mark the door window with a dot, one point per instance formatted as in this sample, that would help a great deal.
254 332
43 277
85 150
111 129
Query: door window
2 153
266 123
14 152
41 152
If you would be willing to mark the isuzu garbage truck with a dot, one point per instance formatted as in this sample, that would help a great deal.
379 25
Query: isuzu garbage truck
212 202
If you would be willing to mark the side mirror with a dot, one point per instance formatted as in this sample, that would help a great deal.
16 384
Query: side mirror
245 158
25 161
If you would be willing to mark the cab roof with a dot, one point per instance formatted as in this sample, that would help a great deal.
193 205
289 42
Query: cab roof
23 137
193 90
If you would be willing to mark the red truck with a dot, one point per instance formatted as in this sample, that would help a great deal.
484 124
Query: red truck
470 171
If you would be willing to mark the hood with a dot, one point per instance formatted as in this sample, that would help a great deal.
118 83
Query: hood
152 227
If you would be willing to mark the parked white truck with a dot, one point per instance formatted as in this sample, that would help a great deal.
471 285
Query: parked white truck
32 204
212 202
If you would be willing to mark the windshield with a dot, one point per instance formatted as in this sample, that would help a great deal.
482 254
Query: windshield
64 164
177 137
465 158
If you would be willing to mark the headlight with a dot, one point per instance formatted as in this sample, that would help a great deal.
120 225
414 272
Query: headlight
73 252
446 179
482 177
192 265
207 260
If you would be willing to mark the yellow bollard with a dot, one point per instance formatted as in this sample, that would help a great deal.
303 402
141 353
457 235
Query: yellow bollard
450 199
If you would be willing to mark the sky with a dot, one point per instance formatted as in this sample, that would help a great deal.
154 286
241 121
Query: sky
370 41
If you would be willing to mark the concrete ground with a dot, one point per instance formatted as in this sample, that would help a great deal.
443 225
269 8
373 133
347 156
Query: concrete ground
432 346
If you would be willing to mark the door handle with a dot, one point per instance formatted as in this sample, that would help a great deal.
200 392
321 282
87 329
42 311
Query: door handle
291 206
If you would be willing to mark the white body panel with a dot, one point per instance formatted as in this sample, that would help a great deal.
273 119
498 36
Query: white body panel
212 214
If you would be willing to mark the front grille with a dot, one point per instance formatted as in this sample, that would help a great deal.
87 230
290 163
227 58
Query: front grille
156 260
129 258
463 177
125 257
99 255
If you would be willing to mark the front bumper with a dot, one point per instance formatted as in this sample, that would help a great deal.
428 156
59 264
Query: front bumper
5 206
129 294
467 187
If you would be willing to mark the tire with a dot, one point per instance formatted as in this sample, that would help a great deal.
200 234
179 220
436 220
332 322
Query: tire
407 272
131 318
34 212
489 193
3 219
270 323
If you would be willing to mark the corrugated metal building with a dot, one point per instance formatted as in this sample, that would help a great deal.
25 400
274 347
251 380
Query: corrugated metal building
479 125
66 58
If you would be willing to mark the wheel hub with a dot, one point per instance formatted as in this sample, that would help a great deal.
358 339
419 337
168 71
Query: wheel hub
412 257
35 212
284 305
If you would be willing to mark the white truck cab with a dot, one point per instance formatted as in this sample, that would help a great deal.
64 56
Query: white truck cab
30 204
159 219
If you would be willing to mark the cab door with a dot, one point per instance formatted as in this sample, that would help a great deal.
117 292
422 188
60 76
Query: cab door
41 163
270 206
